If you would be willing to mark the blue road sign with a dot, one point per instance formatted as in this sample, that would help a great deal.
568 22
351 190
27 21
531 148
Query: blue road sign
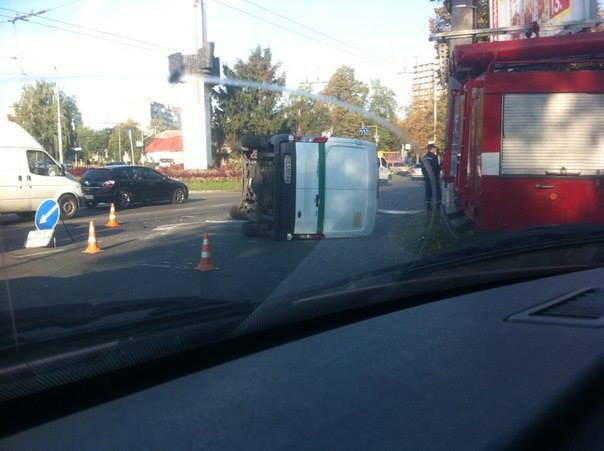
47 215
363 131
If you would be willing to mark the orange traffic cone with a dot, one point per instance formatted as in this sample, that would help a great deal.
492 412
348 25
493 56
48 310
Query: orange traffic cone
93 247
206 263
112 218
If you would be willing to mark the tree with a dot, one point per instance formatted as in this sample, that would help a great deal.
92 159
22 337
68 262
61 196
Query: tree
383 103
419 123
92 141
119 141
344 86
252 110
306 116
36 112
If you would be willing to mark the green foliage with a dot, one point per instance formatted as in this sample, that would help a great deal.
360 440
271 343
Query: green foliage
306 116
92 141
419 124
344 86
250 110
119 141
36 112
383 103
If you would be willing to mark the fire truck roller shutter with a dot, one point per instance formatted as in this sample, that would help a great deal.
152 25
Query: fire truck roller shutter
543 133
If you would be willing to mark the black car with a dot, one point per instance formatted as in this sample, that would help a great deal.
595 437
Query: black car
127 185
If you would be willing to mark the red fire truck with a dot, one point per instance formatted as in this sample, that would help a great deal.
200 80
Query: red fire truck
525 141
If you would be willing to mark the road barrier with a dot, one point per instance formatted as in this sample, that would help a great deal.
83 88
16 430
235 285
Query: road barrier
206 263
112 218
93 246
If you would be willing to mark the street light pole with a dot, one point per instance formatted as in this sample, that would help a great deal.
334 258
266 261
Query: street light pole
435 102
131 146
59 129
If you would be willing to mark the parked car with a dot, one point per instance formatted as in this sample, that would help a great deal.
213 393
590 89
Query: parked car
127 185
29 175
384 174
416 172
399 168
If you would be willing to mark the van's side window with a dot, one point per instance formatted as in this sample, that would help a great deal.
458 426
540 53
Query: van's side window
41 164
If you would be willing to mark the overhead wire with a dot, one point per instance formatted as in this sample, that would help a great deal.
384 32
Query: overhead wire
95 30
296 32
81 33
319 32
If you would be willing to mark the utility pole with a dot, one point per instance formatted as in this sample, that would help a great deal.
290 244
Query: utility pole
131 147
59 129
435 101
119 143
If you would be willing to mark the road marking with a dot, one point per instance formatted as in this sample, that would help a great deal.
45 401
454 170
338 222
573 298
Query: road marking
399 212
166 227
33 254
225 221
181 267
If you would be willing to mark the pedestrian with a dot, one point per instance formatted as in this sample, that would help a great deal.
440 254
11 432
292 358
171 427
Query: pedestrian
431 173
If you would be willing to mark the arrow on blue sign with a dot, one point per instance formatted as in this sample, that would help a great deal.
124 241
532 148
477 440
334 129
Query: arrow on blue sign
47 215
363 131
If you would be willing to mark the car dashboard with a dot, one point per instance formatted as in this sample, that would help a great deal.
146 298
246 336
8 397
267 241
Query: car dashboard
474 371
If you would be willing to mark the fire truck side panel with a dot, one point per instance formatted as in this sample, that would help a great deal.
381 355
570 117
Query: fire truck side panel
553 125
517 202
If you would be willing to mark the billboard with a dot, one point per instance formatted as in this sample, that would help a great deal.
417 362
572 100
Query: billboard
507 13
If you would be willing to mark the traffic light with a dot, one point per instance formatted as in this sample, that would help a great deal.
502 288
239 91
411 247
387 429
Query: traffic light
176 67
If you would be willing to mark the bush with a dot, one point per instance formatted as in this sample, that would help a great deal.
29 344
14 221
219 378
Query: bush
223 173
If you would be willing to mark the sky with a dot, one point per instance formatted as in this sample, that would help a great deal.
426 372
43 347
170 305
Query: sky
113 78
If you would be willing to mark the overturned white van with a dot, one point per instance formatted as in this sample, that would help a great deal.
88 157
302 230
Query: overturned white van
309 188
28 175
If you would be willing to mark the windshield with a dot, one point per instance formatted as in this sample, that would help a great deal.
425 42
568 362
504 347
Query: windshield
97 175
259 153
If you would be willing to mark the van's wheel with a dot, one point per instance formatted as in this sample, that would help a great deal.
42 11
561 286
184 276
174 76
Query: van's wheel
178 196
389 182
69 206
123 199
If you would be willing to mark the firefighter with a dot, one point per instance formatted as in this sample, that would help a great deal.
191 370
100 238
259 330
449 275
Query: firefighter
431 173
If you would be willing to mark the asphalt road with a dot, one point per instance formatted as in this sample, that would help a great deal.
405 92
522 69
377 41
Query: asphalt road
154 253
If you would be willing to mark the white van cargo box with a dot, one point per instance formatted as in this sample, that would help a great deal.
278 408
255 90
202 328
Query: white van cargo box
309 188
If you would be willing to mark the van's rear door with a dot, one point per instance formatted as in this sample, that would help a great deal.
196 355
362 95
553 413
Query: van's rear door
14 187
307 189
350 188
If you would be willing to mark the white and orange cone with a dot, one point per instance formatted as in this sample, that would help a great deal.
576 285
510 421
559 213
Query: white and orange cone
112 218
93 246
206 263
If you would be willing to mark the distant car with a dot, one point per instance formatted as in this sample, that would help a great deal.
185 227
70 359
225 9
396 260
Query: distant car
127 185
384 174
399 167
416 172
